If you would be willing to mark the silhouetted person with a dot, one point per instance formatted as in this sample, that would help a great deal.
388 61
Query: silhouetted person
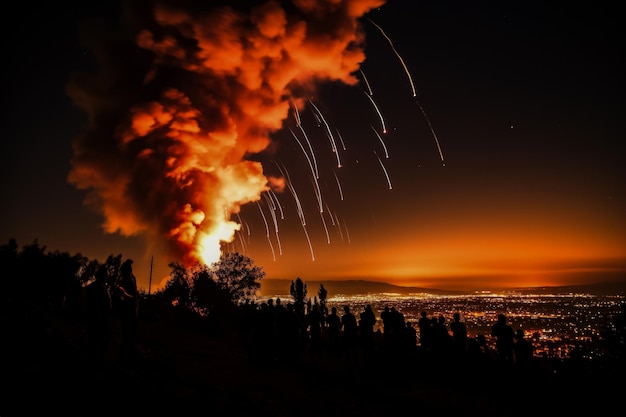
481 342
433 332
410 336
350 328
129 312
279 318
293 327
459 334
334 328
279 307
367 320
265 348
442 341
396 328
315 319
474 352
424 326
505 336
98 315
385 317
479 358
522 349
397 320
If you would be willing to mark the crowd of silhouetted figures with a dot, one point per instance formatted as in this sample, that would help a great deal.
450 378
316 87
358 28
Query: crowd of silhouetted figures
306 339
94 335
276 333
46 302
279 332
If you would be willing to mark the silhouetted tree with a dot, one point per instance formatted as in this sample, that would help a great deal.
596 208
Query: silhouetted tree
177 291
232 280
33 270
299 292
113 264
45 280
65 283
9 263
237 274
323 297
208 296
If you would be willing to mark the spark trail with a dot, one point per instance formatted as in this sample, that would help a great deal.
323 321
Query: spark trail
338 186
331 138
413 91
380 116
318 192
267 231
272 209
367 83
430 126
382 142
306 138
277 204
384 170
406 70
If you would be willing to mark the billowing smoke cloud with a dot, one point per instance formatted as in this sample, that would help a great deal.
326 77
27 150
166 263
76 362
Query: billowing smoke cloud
180 100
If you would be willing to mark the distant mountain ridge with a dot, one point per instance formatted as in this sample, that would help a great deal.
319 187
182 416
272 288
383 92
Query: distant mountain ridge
602 288
273 287
347 287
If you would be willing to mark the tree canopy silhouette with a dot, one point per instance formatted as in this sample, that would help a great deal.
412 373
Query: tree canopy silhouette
207 289
299 292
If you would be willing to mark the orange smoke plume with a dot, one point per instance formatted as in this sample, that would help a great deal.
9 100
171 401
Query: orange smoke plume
183 98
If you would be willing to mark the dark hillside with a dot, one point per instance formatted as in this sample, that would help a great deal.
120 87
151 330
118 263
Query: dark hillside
191 367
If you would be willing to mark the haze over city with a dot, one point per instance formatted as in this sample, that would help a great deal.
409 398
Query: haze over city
429 145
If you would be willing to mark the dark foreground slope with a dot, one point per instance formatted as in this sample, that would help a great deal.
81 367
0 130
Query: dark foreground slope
199 367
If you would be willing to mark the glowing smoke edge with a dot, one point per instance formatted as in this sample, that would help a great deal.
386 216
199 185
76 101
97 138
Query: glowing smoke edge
183 98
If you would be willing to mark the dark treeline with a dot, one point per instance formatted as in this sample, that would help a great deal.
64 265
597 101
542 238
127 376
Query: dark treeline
67 316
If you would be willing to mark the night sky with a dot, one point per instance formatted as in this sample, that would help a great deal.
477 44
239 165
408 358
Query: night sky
454 145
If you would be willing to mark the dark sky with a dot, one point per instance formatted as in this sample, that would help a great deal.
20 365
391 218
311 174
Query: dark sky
524 100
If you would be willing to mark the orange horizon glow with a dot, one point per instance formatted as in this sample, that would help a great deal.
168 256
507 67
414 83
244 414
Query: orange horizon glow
457 280
541 247
499 247
468 264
